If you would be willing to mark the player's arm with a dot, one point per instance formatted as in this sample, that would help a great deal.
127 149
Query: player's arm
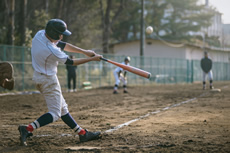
82 60
71 48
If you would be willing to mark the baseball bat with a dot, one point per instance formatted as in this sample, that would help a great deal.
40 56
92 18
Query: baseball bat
129 68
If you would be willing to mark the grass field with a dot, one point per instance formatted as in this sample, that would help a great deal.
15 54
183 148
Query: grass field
184 118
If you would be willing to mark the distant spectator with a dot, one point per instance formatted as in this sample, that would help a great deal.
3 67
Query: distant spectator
71 74
206 65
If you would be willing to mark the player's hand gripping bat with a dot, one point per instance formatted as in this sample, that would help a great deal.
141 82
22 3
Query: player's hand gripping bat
129 68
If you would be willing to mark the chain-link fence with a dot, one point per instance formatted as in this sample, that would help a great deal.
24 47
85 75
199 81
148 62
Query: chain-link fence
101 73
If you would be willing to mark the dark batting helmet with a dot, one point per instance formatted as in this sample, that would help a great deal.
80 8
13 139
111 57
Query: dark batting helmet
56 27
127 58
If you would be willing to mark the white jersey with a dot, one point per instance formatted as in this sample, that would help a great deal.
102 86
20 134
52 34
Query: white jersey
118 69
46 55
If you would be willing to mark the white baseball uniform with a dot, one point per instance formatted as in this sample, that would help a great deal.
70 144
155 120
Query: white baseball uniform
45 58
116 76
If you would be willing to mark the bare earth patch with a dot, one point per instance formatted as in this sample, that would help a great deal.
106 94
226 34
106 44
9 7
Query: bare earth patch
200 125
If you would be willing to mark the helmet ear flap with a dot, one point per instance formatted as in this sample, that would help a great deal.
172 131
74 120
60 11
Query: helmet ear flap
52 33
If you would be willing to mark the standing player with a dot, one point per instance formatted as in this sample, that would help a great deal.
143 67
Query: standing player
71 75
120 74
46 53
206 65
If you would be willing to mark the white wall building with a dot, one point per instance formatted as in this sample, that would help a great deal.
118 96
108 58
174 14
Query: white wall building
162 49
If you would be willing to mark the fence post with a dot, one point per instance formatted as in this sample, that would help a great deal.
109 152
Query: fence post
188 71
192 71
23 68
4 53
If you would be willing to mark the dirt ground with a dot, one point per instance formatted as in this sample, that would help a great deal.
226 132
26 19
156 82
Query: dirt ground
194 125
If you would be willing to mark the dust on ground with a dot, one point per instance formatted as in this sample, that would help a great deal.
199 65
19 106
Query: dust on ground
200 125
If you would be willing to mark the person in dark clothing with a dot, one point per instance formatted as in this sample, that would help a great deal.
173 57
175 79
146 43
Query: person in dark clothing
206 65
71 74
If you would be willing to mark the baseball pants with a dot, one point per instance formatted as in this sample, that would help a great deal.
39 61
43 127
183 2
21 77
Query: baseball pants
210 76
50 87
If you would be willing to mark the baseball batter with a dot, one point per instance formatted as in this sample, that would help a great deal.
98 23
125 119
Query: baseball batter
206 65
120 75
46 54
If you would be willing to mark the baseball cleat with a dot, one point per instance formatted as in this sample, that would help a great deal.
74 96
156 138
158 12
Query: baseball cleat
115 92
23 134
125 91
88 136
211 87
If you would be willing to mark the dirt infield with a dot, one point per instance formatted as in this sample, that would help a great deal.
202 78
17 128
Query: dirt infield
184 119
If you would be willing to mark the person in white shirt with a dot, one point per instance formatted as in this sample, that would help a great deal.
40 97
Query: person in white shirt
46 54
120 75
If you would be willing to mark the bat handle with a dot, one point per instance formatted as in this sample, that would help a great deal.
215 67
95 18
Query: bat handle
104 59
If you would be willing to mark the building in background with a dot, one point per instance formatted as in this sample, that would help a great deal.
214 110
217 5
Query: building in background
157 48
216 28
226 35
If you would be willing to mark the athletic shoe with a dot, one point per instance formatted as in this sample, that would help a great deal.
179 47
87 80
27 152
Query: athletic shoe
23 134
125 91
211 87
115 92
88 136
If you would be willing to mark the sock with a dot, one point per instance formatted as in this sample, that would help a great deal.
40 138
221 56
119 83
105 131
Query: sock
30 128
115 87
82 132
68 119
125 87
41 121
210 82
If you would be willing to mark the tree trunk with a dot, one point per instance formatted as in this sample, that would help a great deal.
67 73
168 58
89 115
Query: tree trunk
10 34
22 22
107 22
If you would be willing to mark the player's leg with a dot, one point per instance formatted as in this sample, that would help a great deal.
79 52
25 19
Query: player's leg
117 81
124 85
210 75
50 88
204 80
74 83
69 82
84 135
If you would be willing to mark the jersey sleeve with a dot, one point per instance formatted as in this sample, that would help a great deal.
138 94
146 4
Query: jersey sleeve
58 54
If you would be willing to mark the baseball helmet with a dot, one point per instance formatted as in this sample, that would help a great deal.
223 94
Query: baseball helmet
56 27
127 58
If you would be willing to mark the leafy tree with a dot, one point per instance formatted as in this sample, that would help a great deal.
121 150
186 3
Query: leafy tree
182 17
110 10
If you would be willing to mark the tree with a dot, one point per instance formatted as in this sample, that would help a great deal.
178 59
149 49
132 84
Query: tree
22 22
128 25
10 5
109 14
182 17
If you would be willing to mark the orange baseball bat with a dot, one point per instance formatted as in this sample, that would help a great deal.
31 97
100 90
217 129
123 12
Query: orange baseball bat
129 68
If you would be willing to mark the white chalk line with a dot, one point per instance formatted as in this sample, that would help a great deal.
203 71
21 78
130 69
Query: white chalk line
148 114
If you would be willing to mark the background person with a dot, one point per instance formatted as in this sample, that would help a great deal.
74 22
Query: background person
71 75
206 65
120 75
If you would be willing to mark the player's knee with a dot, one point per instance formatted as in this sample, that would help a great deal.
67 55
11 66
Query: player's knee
56 115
